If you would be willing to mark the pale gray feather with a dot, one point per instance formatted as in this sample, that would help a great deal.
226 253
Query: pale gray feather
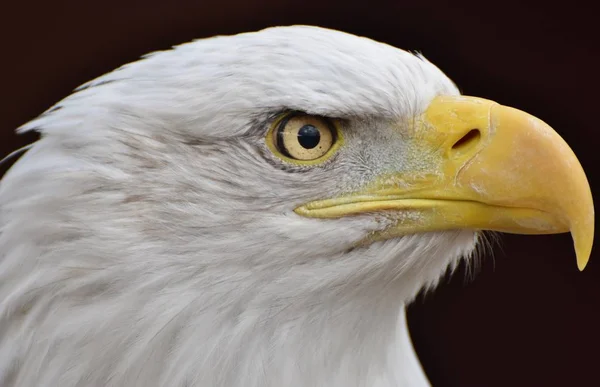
149 238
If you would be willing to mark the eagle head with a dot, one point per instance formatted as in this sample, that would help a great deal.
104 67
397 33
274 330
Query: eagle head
256 210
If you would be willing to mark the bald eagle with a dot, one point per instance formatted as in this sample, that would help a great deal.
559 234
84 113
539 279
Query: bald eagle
257 210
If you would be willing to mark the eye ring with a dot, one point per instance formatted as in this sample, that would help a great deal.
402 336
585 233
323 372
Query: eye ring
304 139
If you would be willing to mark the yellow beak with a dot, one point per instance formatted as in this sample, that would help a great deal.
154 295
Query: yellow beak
490 167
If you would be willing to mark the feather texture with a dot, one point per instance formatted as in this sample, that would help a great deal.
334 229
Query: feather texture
149 239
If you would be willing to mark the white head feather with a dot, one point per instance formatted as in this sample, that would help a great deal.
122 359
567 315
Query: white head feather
149 239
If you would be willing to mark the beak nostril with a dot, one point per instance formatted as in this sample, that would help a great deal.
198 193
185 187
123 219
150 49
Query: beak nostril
467 141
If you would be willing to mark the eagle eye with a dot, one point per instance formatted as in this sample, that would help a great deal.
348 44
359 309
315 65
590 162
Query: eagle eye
303 138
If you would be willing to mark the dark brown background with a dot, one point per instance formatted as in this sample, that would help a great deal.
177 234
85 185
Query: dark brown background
529 318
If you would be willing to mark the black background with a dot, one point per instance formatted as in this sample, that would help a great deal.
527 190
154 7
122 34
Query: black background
529 318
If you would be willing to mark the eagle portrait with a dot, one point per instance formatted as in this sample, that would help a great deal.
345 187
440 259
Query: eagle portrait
258 210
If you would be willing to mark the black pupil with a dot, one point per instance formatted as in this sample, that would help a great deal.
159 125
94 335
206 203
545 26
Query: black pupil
309 136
